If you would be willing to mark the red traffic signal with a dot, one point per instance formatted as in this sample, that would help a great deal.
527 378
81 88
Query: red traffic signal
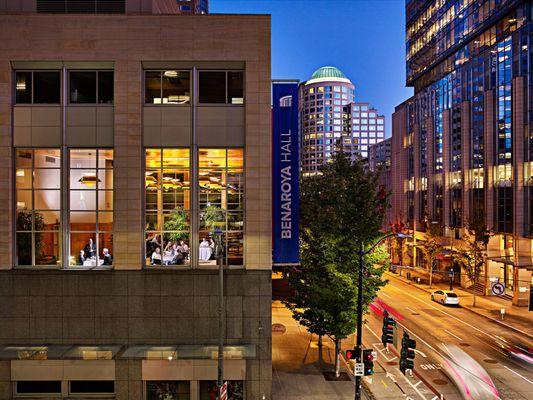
351 354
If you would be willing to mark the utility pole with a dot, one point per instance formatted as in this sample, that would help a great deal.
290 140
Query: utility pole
219 253
359 343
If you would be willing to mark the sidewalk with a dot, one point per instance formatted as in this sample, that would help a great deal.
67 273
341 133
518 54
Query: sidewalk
520 319
296 374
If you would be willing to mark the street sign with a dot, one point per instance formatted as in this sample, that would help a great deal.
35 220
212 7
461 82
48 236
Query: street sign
497 289
359 369
224 391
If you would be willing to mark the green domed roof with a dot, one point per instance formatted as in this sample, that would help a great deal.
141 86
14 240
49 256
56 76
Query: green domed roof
328 72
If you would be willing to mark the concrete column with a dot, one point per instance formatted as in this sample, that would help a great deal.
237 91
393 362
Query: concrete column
430 157
519 140
521 276
489 149
416 157
446 165
466 158
6 173
128 241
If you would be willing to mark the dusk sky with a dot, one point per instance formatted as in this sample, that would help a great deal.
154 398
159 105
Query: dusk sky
363 38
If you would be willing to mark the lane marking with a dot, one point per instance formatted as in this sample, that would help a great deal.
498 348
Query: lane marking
413 311
385 294
455 336
419 352
514 372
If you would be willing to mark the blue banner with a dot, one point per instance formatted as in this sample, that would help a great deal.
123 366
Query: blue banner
286 173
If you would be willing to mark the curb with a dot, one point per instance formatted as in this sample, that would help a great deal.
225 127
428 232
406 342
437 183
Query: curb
467 308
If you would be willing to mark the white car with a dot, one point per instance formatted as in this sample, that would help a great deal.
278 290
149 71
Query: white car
445 297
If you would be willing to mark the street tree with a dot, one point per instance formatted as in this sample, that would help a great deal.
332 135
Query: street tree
340 208
397 227
432 247
474 245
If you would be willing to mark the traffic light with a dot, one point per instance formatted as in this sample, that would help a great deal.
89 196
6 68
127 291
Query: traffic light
368 361
388 329
407 355
351 354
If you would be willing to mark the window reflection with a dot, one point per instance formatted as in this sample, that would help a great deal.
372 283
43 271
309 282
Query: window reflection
221 195
38 206
167 87
167 184
91 207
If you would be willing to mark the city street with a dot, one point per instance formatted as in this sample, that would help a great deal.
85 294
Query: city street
434 325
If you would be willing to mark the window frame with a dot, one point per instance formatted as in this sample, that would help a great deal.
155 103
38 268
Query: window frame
161 72
226 103
97 103
161 232
32 103
32 231
68 231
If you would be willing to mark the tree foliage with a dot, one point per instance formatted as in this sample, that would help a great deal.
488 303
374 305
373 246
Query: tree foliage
474 244
340 208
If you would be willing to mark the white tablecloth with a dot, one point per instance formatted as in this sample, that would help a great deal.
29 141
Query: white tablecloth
205 253
92 263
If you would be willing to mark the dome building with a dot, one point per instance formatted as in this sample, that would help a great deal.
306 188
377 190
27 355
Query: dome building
330 119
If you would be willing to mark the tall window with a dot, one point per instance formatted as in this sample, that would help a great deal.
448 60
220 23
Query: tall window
38 199
37 87
90 87
91 207
221 195
167 184
167 87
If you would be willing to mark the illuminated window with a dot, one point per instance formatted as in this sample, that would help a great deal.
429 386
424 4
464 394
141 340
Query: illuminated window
167 87
221 194
38 202
91 207
167 188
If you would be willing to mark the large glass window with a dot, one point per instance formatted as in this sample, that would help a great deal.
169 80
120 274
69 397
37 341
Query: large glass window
167 87
89 87
38 202
221 87
37 87
167 184
221 195
91 207
168 390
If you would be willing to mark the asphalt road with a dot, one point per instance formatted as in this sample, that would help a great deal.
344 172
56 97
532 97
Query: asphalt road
437 328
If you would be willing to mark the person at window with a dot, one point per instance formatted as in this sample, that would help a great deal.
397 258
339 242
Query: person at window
212 245
90 249
81 257
108 258
156 257
169 246
205 250
183 249
177 259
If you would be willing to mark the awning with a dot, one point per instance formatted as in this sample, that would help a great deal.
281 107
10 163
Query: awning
111 352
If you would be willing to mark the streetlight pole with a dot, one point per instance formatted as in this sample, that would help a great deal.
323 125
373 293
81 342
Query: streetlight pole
359 343
219 253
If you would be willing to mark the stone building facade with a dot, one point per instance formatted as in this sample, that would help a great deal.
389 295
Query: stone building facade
158 136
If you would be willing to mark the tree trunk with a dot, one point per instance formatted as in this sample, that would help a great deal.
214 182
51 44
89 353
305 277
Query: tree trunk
474 302
430 275
337 358
320 358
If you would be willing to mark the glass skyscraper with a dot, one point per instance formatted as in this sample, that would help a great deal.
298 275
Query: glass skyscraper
463 143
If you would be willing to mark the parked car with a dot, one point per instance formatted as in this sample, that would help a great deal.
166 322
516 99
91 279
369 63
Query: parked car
445 297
